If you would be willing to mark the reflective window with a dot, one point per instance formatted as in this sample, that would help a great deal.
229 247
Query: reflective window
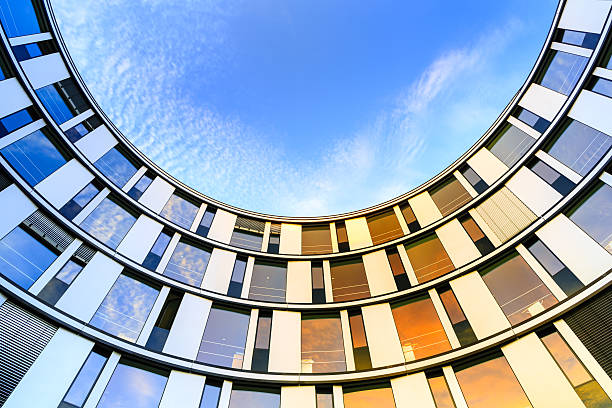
325 397
206 221
58 285
481 241
242 397
85 380
211 394
594 215
134 385
555 268
116 167
180 211
440 392
77 132
384 227
517 289
274 239
5 71
379 396
420 331
248 234
316 239
579 147
318 282
602 86
397 267
585 40
261 352
269 282
154 256
474 179
23 258
237 279
80 200
428 258
349 280
16 120
140 186
510 145
125 308
413 223
531 119
159 334
34 157
562 184
63 100
342 237
361 352
28 51
109 223
188 264
450 196
491 384
19 18
461 325
224 338
322 344
563 71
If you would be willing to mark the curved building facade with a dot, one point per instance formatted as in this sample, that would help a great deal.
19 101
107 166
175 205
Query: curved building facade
487 286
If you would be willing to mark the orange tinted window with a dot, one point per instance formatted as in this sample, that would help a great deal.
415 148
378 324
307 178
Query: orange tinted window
322 345
349 280
440 392
396 263
428 259
368 398
450 196
472 229
384 227
316 239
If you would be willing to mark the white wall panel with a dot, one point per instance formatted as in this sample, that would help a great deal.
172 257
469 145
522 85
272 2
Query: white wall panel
592 109
183 390
299 282
30 38
487 165
534 192
378 272
457 243
383 340
222 226
96 143
298 397
140 238
75 120
21 133
219 270
542 101
584 15
48 379
358 233
291 239
15 207
412 391
45 70
157 195
63 184
54 268
14 97
285 342
424 208
89 288
186 332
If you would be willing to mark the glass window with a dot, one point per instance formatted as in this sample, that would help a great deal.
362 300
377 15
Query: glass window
159 334
80 200
154 256
450 196
206 221
125 308
235 286
34 157
349 280
517 289
579 147
555 268
16 120
247 239
322 344
602 86
211 394
180 211
116 167
242 397
188 264
269 282
594 215
5 71
274 239
325 398
413 223
77 132
343 244
384 227
481 241
58 285
261 352
224 338
585 40
563 71
133 385
562 184
28 51
379 396
19 18
491 384
440 392
316 239
460 323
397 267
23 258
420 331
361 352
140 186
531 119
474 179
318 282
510 145
428 258
109 223
84 381
62 100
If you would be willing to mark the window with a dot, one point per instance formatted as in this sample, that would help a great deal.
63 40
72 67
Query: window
585 40
343 244
450 196
318 282
62 100
17 120
85 380
491 383
439 390
77 132
367 396
460 323
235 286
531 119
116 167
316 239
261 352
594 215
579 147
211 394
562 71
134 385
248 234
34 157
154 256
397 267
206 221
188 264
602 86
474 179
161 330
566 280
274 239
5 69
428 258
180 211
224 338
562 184
109 222
361 352
420 331
349 281
28 51
589 390
322 344
242 397
140 186
23 258
510 145
384 227
481 241
125 309
58 285
413 223
21 17
269 282
325 398
80 200
517 289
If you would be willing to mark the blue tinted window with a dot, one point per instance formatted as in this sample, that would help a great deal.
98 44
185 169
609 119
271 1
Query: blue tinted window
224 338
156 252
13 122
57 286
54 104
132 386
241 398
188 264
23 258
125 309
603 86
140 187
27 51
76 133
79 201
109 223
34 157
211 395
179 211
18 17
84 381
116 167
563 72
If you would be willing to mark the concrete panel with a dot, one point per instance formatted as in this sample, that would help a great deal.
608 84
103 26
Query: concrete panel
291 239
14 98
285 342
299 282
298 397
542 101
424 208
358 233
457 243
222 226
186 332
591 109
383 341
96 143
140 238
534 192
487 165
219 270
15 206
182 390
45 70
378 272
157 195
64 183
584 15
412 391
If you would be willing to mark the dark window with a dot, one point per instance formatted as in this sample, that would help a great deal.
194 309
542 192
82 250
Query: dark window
478 237
188 264
474 179
428 258
211 394
562 184
154 256
269 282
58 285
116 166
318 282
17 120
80 200
140 186
206 221
413 223
349 281
343 244
316 239
243 397
461 325
224 338
397 267
261 352
579 38
159 334
384 227
322 344
27 51
180 211
237 279
531 119
555 268
594 215
510 145
248 234
77 132
274 239
361 352
449 196
22 17
562 71
5 70
109 222
85 380
62 100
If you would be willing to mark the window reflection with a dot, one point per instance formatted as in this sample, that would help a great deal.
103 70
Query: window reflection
555 268
154 256
80 200
56 287
397 267
269 282
380 396
322 344
242 397
63 100
510 145
17 120
349 281
211 394
188 264
261 352
19 18
594 215
325 398
563 71
316 239
179 211
248 234
84 381
109 223
384 227
116 167
361 352
450 196
224 338
439 389
460 323
141 185
428 258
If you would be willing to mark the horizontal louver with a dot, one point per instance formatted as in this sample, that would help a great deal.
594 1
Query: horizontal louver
48 230
251 225
84 253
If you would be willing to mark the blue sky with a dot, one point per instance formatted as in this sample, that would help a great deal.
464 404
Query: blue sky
303 107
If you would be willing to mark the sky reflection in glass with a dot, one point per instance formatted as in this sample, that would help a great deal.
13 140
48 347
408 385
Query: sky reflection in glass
109 223
133 387
188 264
116 167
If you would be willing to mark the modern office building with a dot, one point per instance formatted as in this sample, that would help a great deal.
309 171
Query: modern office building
487 286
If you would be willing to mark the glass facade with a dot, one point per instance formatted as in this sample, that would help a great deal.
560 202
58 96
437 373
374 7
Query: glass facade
80 200
594 215
14 121
224 338
563 71
114 165
450 196
322 344
188 264
268 282
179 211
510 145
58 285
428 258
83 383
140 186
62 100
109 223
349 280
316 239
380 396
242 397
384 227
156 252
19 18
